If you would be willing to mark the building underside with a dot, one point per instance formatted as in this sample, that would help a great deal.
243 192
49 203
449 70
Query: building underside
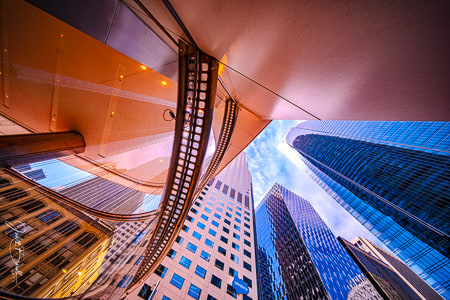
165 94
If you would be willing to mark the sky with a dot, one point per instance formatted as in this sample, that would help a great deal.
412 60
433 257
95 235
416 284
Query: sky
271 160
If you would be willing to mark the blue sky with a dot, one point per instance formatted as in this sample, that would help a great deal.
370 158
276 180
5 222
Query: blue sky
271 161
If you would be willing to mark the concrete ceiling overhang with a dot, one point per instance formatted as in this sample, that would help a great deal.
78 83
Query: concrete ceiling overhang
354 60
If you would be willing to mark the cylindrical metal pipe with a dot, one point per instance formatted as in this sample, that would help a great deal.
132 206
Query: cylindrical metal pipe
29 148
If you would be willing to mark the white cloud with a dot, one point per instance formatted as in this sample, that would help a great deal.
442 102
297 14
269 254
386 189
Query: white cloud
272 160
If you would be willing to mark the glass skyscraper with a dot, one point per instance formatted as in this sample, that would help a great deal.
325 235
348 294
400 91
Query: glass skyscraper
393 177
298 255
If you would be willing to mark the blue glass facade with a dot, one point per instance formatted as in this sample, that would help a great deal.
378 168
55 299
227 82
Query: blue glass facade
393 177
298 255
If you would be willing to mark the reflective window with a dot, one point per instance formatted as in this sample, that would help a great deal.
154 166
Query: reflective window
194 292
216 281
209 243
185 262
200 271
205 255
247 266
191 247
212 232
222 250
200 225
197 235
219 264
177 280
214 223
171 253
161 271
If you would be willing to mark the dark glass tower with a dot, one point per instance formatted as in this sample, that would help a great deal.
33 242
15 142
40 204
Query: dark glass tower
393 177
298 255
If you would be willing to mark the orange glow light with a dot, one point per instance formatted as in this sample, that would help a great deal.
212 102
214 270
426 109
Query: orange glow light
143 67
163 82
79 273
200 111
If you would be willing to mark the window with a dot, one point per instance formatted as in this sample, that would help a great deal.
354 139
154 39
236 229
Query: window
210 203
247 213
219 209
191 247
212 232
247 225
222 250
190 219
227 222
225 189
139 260
214 223
205 255
237 220
177 280
247 253
236 236
207 210
210 298
179 239
194 210
49 217
239 214
247 266
197 203
228 215
245 297
247 243
234 258
247 219
232 193
172 253
185 262
165 298
226 230
224 239
248 281
185 228
229 208
201 225
200 271
221 203
218 184
31 205
161 271
235 246
232 272
217 216
204 217
231 291
145 291
247 233
219 264
239 197
247 201
209 243
237 228
197 235
216 281
194 292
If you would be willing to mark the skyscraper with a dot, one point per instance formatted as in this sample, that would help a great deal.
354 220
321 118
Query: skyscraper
409 278
298 255
216 244
393 177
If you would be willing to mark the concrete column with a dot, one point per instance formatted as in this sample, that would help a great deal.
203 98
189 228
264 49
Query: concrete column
29 148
